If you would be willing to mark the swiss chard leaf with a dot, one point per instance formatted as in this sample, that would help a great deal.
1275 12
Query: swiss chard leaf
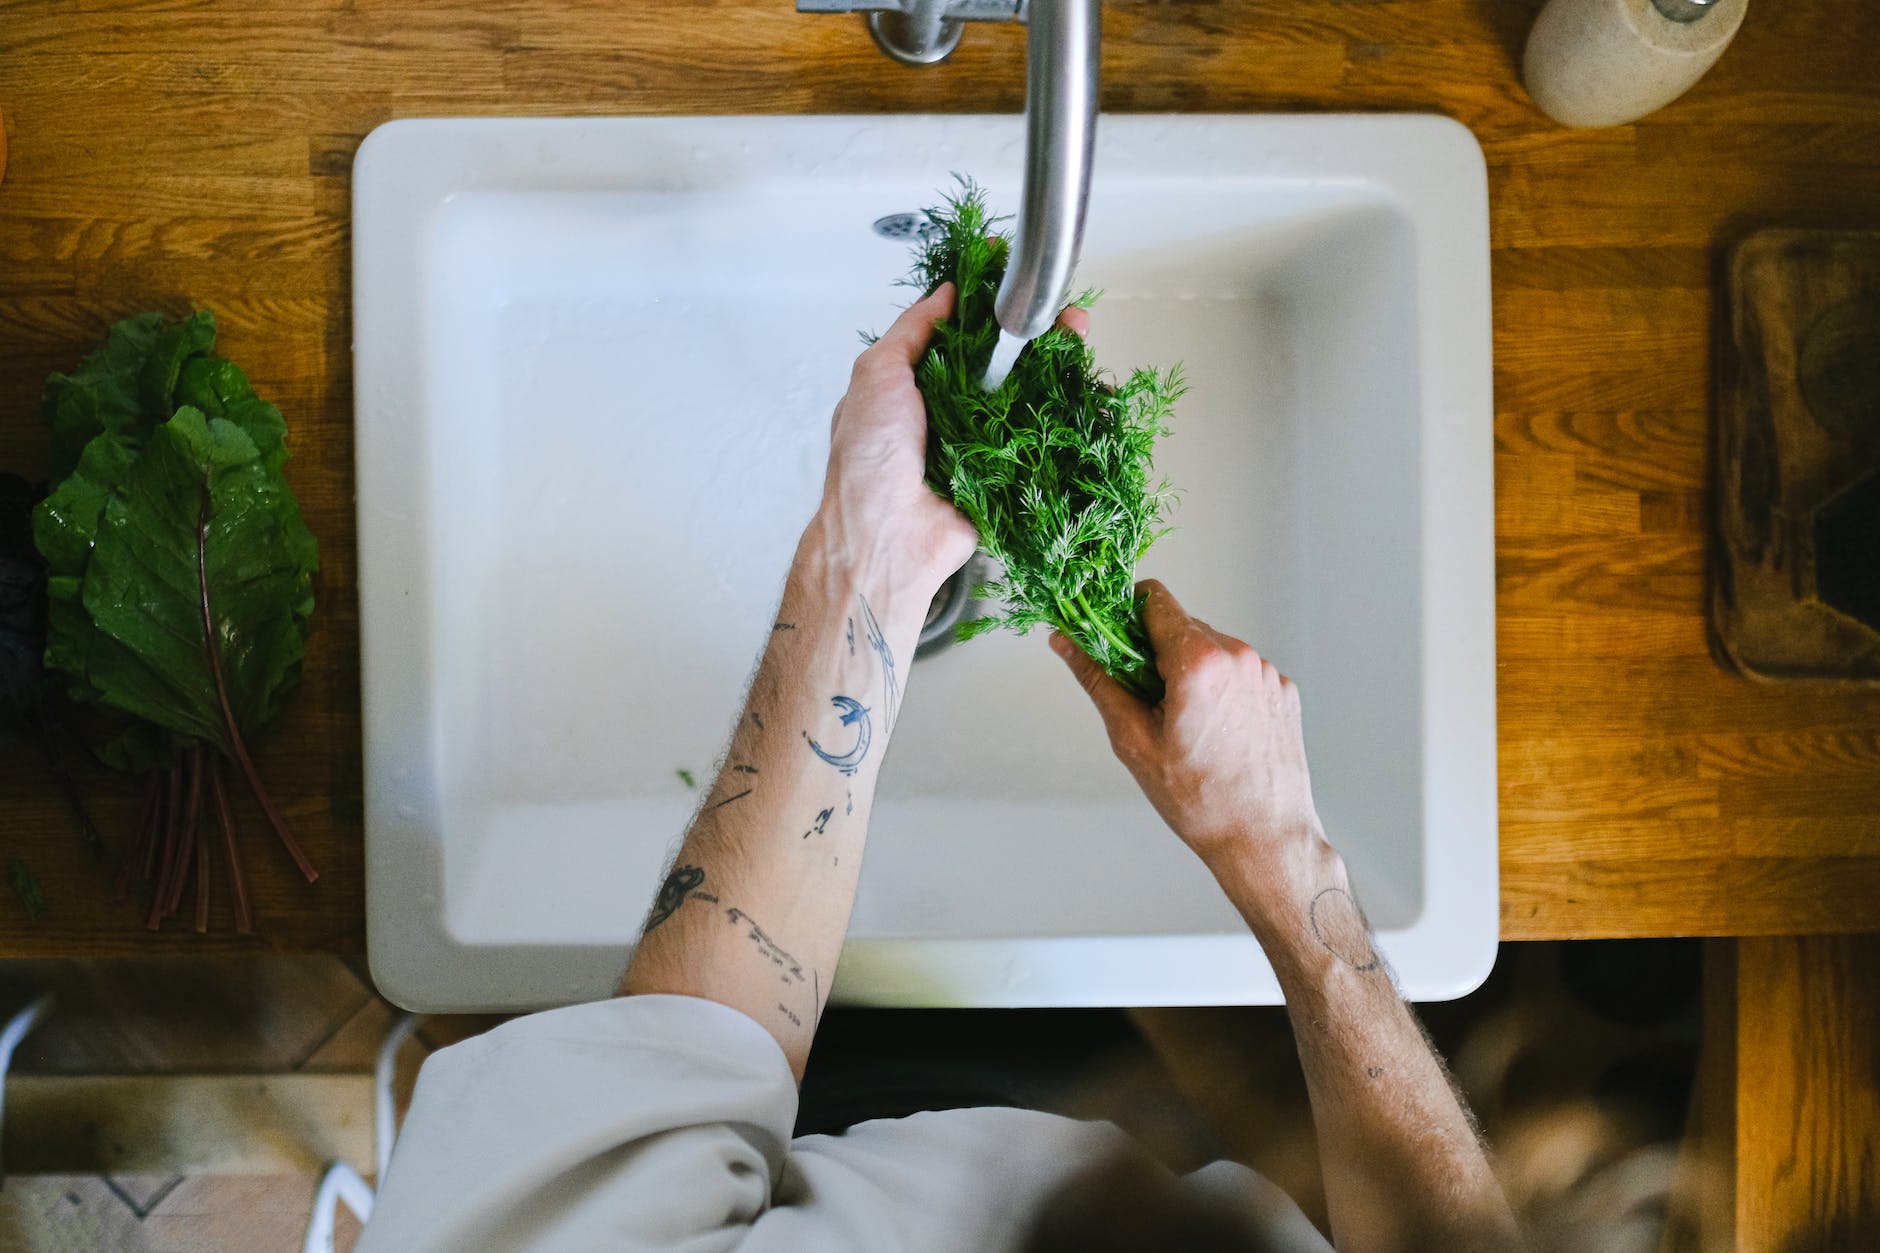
175 498
200 518
216 388
179 584
125 388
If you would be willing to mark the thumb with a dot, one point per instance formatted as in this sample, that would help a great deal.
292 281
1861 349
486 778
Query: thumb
1119 710
906 341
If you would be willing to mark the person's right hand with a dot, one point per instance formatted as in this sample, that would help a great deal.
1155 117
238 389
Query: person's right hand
1222 757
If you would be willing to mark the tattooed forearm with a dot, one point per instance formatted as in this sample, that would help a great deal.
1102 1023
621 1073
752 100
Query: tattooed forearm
802 758
890 681
1339 925
681 883
854 714
791 970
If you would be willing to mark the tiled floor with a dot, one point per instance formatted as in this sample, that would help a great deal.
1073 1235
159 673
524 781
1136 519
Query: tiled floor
269 1016
1576 1057
209 1016
202 1214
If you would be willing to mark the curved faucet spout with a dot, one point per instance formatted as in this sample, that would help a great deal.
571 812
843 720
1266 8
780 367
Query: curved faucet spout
1060 142
1061 48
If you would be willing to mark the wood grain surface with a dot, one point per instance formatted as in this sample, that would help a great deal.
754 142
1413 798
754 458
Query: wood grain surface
169 153
1807 1108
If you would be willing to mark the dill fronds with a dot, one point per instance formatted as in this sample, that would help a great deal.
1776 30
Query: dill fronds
1054 467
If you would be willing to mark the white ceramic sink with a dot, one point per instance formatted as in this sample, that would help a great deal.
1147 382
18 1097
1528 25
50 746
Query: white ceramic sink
595 363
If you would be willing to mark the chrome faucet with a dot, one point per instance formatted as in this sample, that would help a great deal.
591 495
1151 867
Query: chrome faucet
1060 128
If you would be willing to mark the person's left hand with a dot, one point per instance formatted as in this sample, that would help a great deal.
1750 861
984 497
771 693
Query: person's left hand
877 509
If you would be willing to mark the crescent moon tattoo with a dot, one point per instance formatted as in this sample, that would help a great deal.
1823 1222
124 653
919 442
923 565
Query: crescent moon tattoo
854 714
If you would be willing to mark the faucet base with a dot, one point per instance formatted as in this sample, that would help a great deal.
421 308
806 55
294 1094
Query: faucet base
922 37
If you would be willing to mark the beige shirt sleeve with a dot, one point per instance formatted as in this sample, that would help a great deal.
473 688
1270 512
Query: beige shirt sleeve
664 1122
646 1122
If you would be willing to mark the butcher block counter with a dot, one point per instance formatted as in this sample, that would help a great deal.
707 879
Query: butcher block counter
200 155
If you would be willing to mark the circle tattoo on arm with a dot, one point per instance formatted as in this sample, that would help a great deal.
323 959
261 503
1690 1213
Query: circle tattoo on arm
1339 925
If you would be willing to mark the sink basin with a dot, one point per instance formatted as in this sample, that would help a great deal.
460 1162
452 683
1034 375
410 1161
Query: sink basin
595 361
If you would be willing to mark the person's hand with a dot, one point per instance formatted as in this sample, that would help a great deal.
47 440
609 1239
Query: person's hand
1222 757
877 508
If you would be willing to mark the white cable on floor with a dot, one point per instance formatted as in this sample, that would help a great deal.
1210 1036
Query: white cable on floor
10 1037
341 1182
384 1108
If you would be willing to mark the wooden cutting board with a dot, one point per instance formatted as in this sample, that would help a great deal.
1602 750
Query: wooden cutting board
1795 587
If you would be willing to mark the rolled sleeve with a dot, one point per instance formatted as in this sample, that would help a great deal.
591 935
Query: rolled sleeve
638 1123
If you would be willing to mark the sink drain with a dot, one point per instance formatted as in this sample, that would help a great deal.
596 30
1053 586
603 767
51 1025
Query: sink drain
904 226
953 604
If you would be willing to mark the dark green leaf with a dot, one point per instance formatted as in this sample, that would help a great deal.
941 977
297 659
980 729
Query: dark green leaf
125 387
26 887
157 509
219 389
173 345
143 589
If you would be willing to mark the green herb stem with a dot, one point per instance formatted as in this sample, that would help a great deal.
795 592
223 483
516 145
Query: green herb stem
1109 633
1053 467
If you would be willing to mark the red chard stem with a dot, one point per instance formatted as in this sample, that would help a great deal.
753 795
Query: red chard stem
237 749
244 921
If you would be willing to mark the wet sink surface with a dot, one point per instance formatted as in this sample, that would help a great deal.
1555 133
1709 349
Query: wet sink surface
595 362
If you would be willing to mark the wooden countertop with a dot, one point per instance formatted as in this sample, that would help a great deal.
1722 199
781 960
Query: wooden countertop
200 154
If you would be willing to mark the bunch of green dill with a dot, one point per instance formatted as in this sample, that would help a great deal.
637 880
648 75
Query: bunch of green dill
1053 467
